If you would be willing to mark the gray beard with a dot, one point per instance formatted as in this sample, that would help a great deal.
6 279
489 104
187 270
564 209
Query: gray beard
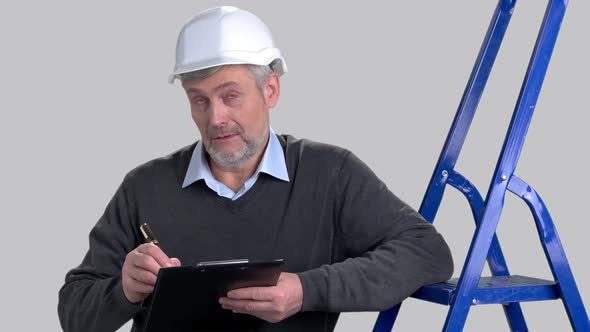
235 159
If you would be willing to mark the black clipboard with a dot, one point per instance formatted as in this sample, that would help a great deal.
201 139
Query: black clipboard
187 297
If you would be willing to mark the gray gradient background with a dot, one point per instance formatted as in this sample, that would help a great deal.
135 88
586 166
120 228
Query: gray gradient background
85 99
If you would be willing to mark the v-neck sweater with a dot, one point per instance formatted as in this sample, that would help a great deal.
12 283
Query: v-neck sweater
354 245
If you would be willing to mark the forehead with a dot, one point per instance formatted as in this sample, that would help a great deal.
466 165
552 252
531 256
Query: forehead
231 76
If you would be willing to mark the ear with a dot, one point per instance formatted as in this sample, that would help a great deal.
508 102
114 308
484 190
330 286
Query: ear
272 90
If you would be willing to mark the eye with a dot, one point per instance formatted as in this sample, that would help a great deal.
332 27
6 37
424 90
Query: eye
200 101
231 98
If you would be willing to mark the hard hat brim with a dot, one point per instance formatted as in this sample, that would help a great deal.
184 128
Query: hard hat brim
279 67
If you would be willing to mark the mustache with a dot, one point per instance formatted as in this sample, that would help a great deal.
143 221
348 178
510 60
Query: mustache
219 132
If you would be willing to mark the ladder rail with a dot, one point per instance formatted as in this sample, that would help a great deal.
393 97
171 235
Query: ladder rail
467 107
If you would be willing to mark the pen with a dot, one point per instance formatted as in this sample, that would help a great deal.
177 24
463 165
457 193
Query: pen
147 233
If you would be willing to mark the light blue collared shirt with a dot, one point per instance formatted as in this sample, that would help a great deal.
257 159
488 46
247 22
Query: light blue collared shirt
272 163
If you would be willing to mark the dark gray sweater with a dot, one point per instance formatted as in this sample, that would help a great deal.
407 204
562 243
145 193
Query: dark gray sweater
354 245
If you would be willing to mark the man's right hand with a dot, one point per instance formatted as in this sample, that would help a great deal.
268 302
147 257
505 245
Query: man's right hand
140 270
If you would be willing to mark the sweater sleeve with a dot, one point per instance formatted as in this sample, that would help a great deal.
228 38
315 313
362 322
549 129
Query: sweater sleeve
383 250
92 297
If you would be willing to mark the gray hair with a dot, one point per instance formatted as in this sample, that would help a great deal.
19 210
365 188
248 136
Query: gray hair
258 72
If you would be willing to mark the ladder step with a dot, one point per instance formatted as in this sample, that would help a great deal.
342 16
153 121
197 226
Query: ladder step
501 289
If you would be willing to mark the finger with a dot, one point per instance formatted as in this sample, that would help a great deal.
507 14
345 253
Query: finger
175 261
154 251
247 306
252 293
140 287
144 276
145 262
283 276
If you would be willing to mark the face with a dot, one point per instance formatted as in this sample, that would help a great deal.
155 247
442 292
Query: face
232 114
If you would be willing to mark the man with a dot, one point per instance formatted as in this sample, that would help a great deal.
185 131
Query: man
244 191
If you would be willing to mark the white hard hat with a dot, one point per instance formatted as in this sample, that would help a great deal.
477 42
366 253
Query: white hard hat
222 36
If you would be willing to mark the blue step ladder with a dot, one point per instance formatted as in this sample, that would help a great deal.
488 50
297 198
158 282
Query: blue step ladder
502 288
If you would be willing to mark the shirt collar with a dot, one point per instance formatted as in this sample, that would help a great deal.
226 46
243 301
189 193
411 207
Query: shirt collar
272 163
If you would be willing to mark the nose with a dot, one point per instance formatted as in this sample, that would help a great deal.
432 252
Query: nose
219 113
